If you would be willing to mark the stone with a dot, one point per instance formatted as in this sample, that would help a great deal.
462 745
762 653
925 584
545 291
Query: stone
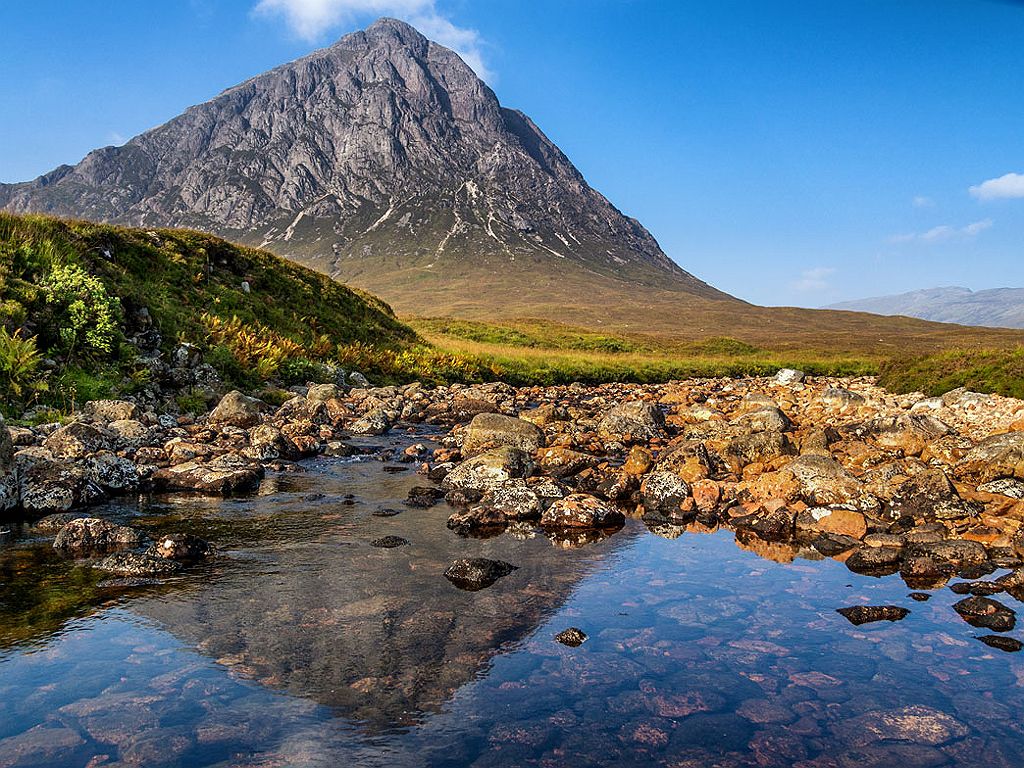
865 614
514 500
573 637
183 547
389 542
489 470
321 393
756 448
995 458
825 520
10 496
46 486
77 440
638 462
579 510
226 475
545 414
112 410
112 473
788 376
824 482
138 564
707 495
476 573
90 534
423 496
986 612
266 443
377 421
238 410
871 559
766 419
916 724
495 430
1002 643
769 524
664 493
564 462
929 496
638 419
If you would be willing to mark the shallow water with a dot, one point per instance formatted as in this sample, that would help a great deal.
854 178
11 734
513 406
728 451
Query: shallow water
303 645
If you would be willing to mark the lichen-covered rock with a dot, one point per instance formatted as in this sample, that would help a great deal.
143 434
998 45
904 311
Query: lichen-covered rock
560 461
77 440
182 546
9 495
112 410
223 476
665 494
824 482
986 612
46 486
112 472
238 410
637 419
579 510
138 564
93 535
866 614
756 448
377 421
994 458
489 470
495 430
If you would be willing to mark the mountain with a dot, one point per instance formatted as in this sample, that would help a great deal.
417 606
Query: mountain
383 161
998 307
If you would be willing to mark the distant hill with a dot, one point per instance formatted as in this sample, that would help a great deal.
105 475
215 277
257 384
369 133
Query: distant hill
995 308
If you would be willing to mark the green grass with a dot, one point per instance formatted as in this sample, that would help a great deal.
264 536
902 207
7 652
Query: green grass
980 370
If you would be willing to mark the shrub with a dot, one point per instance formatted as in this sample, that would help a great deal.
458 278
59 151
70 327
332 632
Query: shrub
83 316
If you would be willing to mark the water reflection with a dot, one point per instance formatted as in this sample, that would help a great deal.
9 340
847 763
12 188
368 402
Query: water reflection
305 645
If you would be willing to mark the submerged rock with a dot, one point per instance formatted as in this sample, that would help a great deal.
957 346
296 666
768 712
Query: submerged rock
476 573
138 564
986 612
1002 643
865 614
389 542
182 546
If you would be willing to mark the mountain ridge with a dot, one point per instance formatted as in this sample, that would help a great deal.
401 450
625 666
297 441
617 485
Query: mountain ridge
381 159
994 307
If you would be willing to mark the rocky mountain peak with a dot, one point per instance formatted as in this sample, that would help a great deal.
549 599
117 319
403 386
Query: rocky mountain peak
381 158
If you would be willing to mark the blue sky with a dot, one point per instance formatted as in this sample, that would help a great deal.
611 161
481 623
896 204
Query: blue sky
793 152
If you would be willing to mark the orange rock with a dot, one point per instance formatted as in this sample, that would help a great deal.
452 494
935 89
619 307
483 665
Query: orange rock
706 494
1017 426
638 462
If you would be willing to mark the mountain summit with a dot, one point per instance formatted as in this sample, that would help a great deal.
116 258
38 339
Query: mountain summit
384 161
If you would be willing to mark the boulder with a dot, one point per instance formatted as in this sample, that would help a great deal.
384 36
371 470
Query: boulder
756 448
489 470
77 440
846 522
637 419
90 534
376 421
9 495
266 443
238 410
789 376
824 482
764 419
112 410
688 458
494 430
664 493
46 486
769 524
579 510
564 462
112 473
130 434
545 414
223 476
514 500
182 546
476 573
929 496
865 614
321 393
987 613
994 458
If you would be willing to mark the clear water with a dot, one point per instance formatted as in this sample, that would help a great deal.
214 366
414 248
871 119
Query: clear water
302 645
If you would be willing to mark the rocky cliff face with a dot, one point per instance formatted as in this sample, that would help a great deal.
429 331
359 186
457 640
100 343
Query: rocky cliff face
381 157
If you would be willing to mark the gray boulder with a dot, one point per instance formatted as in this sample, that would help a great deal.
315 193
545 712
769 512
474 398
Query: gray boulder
493 430
238 410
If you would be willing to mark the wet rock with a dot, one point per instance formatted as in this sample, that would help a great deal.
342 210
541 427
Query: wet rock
43 746
1002 643
389 542
873 559
90 534
665 494
9 494
226 475
514 500
960 552
564 462
489 470
374 422
979 588
581 511
921 597
769 524
476 518
865 614
477 573
986 612
494 430
113 473
53 523
183 547
77 440
424 497
238 410
824 482
637 419
572 637
832 544
46 486
824 520
138 564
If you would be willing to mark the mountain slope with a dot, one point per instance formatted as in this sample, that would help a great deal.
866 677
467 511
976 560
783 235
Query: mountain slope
998 307
383 161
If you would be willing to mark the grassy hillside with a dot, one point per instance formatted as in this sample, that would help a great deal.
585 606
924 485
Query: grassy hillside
75 295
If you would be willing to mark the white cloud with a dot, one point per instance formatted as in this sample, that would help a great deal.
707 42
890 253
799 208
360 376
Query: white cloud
813 280
1010 185
944 233
922 202
313 19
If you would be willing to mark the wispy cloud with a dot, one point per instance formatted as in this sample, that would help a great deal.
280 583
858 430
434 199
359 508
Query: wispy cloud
813 280
313 19
922 201
1007 186
944 233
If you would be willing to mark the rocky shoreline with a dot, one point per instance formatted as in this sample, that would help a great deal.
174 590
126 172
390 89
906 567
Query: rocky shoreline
929 488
